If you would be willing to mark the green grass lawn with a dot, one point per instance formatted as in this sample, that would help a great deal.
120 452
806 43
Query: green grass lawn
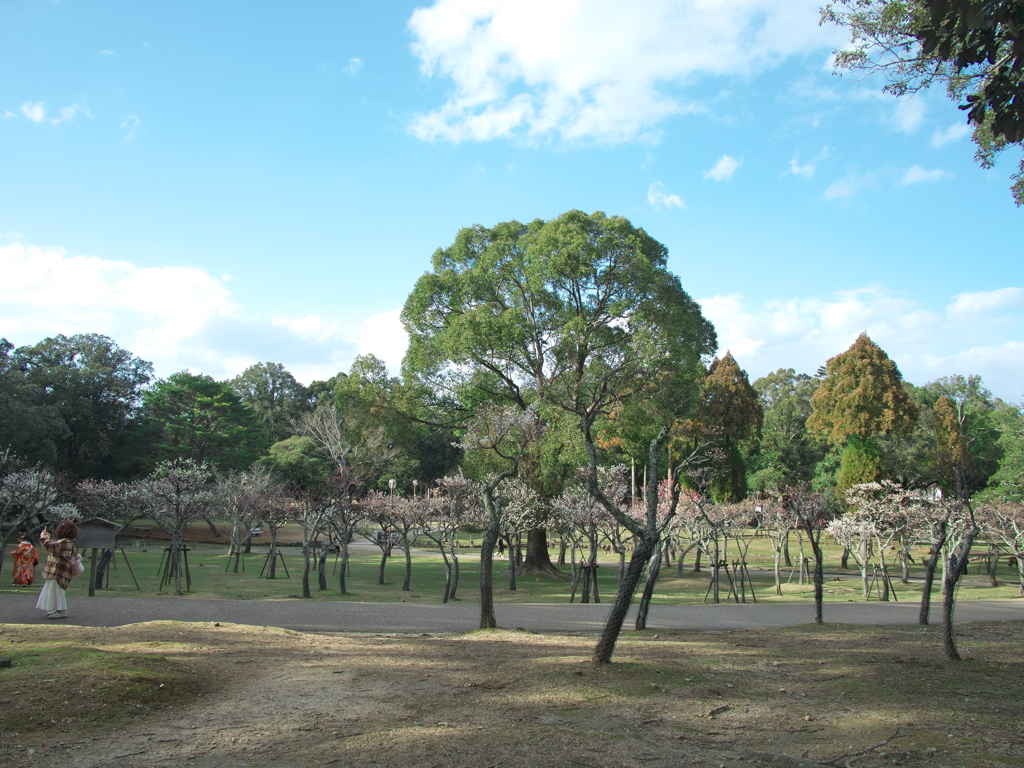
211 578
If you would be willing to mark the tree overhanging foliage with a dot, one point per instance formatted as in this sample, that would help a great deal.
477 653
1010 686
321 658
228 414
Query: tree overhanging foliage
973 47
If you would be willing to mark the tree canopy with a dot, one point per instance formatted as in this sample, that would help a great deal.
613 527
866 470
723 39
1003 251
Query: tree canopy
973 47
861 396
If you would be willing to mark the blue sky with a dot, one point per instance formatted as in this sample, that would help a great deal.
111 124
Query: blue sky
215 184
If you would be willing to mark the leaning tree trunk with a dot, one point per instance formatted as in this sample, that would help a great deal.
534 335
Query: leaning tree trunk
383 562
101 567
653 571
929 571
953 574
642 552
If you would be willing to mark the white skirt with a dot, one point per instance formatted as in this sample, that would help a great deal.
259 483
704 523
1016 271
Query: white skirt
52 598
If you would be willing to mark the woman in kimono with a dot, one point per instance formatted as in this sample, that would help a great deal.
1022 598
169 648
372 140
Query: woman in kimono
25 560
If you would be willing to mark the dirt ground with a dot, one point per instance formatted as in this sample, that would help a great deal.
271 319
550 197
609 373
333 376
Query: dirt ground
173 694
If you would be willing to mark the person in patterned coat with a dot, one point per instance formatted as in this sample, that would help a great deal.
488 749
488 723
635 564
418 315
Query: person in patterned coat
58 571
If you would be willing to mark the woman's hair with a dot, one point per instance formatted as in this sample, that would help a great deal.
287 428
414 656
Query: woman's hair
67 530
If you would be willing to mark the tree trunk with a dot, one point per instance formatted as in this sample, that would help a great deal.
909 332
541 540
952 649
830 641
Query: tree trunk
538 559
929 571
953 574
321 567
487 620
513 560
175 561
844 561
407 584
905 562
778 571
819 575
455 571
101 567
653 571
383 562
307 566
272 574
642 551
213 528
344 563
993 562
447 574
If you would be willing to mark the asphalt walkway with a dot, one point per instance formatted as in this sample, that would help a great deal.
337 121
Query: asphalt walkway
308 616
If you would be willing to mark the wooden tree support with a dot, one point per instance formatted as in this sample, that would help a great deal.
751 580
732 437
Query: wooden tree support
166 572
878 581
238 557
113 565
266 563
740 576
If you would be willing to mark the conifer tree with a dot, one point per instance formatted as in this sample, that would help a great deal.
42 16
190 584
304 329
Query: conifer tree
861 399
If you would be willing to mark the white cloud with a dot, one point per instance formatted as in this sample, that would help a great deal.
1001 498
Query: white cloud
806 170
384 335
909 114
981 302
353 66
845 187
955 132
803 333
106 52
132 126
724 169
598 71
661 199
69 113
177 317
34 110
915 174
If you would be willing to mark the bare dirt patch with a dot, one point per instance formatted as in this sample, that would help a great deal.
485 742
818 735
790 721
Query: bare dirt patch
165 693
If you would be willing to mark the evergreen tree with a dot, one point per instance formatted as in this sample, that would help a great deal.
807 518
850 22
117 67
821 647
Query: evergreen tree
730 411
861 399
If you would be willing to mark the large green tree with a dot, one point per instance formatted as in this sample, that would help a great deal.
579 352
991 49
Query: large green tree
785 454
729 411
861 399
28 427
973 47
192 416
82 392
579 312
276 398
1007 482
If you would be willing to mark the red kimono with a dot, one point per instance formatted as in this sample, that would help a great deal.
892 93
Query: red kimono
25 560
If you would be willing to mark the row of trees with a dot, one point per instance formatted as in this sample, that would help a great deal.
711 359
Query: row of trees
535 349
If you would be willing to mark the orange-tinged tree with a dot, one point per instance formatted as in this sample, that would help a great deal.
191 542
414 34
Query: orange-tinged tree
860 399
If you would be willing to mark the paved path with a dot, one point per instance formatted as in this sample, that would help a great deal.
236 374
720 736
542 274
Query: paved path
305 616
